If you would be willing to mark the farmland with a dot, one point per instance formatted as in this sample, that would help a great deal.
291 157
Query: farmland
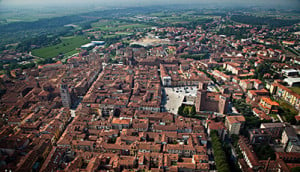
67 45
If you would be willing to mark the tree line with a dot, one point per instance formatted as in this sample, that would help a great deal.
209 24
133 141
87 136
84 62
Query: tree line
254 20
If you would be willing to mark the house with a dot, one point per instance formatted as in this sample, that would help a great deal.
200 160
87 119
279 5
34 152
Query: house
255 95
259 136
290 72
268 105
275 129
285 93
261 114
246 84
119 123
258 84
234 124
292 82
290 140
248 154
217 126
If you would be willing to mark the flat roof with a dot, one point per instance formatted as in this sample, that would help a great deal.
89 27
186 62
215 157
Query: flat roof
289 70
88 45
292 80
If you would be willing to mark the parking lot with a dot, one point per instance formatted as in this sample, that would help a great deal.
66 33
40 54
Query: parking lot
174 97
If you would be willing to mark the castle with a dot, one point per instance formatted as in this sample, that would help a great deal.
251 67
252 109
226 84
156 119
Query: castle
210 101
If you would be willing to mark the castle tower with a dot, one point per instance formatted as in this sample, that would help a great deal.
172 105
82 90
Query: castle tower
202 85
223 104
201 96
65 95
200 100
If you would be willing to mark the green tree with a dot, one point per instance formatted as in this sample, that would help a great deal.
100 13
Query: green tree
180 110
193 111
186 111
296 169
219 154
264 152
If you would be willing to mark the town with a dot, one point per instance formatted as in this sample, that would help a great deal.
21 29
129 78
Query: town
191 92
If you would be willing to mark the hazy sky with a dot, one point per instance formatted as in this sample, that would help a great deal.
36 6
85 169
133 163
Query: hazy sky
117 3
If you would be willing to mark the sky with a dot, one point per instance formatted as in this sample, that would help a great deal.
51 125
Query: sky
120 3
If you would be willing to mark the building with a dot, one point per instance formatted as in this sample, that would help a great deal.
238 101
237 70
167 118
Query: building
275 129
87 46
209 101
92 44
290 72
268 106
286 94
98 42
119 123
166 79
292 82
234 124
261 114
259 136
248 154
211 125
290 140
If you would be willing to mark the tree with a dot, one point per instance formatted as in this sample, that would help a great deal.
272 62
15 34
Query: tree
186 111
264 152
296 169
193 111
180 110
219 154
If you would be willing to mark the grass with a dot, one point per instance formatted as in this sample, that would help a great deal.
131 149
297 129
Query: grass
113 27
189 108
116 25
274 116
67 46
116 34
295 89
184 18
123 27
71 53
285 105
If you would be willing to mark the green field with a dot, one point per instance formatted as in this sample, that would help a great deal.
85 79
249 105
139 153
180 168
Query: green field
285 105
295 89
116 34
120 28
113 26
67 45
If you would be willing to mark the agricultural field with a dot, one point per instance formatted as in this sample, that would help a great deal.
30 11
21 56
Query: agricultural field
114 26
66 47
121 27
116 35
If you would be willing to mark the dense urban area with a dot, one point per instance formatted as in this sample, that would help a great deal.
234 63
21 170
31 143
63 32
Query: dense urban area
150 89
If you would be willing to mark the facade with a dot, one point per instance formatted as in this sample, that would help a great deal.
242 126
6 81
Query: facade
259 136
274 129
234 124
280 91
208 101
292 82
290 140
268 105
167 81
248 154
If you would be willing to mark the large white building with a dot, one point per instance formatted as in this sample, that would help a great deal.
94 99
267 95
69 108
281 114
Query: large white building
292 81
